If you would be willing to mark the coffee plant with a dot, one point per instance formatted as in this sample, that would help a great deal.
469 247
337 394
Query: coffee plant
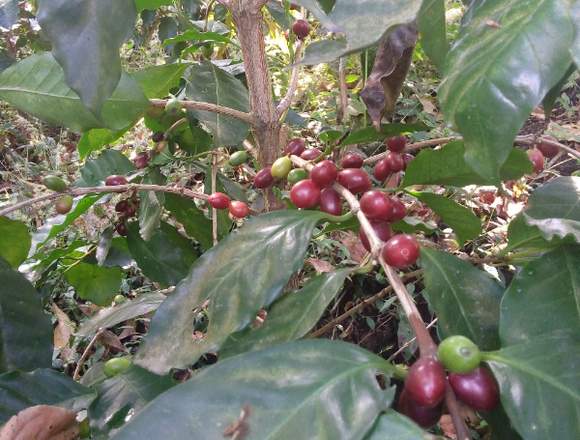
162 293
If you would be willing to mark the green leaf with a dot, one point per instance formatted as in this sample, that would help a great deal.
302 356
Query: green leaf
522 236
243 273
94 283
370 134
395 426
195 223
208 83
96 139
462 220
15 242
549 100
25 331
125 394
19 390
291 317
555 208
433 30
151 205
151 4
496 74
36 85
539 385
546 287
575 48
193 34
447 166
86 36
108 163
302 390
166 257
157 81
465 299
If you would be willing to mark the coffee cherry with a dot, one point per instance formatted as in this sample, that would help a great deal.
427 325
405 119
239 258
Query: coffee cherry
63 204
330 201
376 205
399 210
459 354
382 229
115 180
548 150
301 29
239 209
295 147
422 415
158 137
487 197
281 167
141 160
305 194
119 299
219 200
122 207
238 158
401 251
352 160
395 161
382 170
296 175
173 106
477 389
54 183
408 158
355 180
264 179
397 143
537 159
116 366
121 229
311 154
324 173
425 382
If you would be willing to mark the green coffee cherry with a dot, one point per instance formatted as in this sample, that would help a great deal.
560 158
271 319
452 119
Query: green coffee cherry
281 167
54 183
459 354
296 175
119 299
63 204
116 366
173 106
238 158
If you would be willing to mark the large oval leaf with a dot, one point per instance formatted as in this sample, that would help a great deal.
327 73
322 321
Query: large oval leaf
395 426
433 29
301 390
15 242
244 272
95 283
195 223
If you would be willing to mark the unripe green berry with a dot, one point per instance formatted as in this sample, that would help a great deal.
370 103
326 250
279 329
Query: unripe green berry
296 175
116 366
54 183
281 167
459 354
238 158
64 204
173 106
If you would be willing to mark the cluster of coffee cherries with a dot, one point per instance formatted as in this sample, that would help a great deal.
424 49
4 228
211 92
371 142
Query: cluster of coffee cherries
424 389
64 203
236 208
126 208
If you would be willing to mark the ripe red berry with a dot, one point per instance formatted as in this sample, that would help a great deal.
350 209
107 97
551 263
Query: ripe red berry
115 180
426 382
301 29
382 170
239 209
399 210
122 206
219 200
324 173
477 389
141 160
158 137
537 159
311 154
305 194
397 143
376 205
264 179
121 229
355 180
295 147
401 251
422 415
487 197
395 161
408 158
330 201
352 160
548 150
382 229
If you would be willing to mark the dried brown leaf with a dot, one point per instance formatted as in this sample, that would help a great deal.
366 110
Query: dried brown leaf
41 422
320 266
64 328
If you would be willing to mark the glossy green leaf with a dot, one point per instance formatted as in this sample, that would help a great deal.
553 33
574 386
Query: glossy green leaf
166 257
15 242
546 287
195 223
462 220
554 93
157 81
370 134
539 385
291 317
395 426
36 85
94 283
8 13
243 273
207 82
151 4
151 205
433 30
109 162
555 208
86 36
522 236
497 73
301 390
465 299
25 331
125 394
96 139
19 390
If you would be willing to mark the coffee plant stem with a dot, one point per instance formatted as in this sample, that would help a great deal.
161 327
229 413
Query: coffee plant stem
208 107
85 355
454 410
293 84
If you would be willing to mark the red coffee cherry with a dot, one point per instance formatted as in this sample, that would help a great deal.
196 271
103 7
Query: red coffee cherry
477 389
239 209
264 179
422 415
122 206
537 159
158 137
324 173
295 147
399 210
395 161
305 194
382 229
376 205
219 200
382 170
352 160
311 154
548 150
330 201
121 229
115 180
426 382
397 143
401 251
301 29
408 158
355 180
141 160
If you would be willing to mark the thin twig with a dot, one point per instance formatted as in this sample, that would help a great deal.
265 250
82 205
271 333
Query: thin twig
409 342
85 355
415 146
293 85
208 107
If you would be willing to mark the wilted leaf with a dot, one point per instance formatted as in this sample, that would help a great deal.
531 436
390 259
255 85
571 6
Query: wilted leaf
41 422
